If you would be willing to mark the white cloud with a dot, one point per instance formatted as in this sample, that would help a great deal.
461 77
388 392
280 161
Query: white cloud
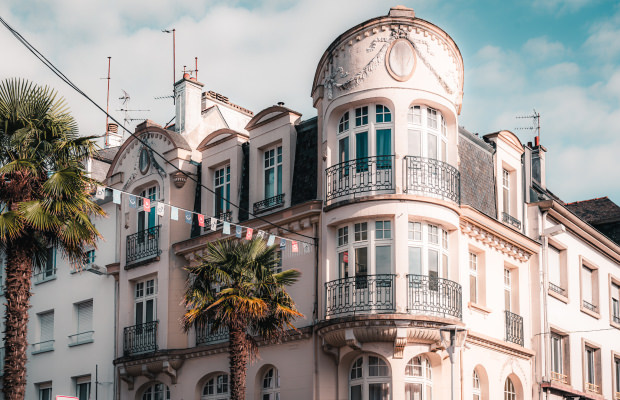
541 48
561 6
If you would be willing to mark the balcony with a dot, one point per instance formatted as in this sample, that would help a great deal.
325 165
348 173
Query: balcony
143 246
433 178
269 204
222 216
434 296
592 388
558 377
589 306
364 294
81 338
555 288
514 328
362 175
141 338
207 336
509 219
43 347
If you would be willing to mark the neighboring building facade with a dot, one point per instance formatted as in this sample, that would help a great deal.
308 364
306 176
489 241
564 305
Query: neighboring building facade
419 225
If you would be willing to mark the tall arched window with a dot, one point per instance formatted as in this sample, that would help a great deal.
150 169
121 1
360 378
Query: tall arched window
369 378
427 133
157 391
216 388
418 379
271 385
509 390
476 386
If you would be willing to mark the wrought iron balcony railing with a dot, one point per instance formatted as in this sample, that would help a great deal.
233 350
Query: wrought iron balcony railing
269 204
222 216
589 306
514 328
431 177
365 294
369 174
207 336
509 219
143 245
434 296
140 338
556 288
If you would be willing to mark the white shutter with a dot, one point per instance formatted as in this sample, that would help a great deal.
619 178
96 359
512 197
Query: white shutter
85 316
47 326
554 266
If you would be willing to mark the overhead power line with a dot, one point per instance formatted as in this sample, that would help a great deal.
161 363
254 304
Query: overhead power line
65 79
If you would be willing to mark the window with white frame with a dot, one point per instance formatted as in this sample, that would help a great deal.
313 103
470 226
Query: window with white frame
428 250
147 220
476 395
48 270
473 277
589 288
370 251
273 172
615 302
557 358
46 337
506 191
616 373
427 133
157 391
591 363
270 389
369 378
145 299
90 256
419 379
507 289
84 323
509 390
45 391
221 184
557 270
216 388
82 387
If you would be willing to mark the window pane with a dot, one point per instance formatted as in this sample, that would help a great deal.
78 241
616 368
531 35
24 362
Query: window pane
433 263
415 143
554 266
432 146
361 145
356 392
413 391
361 261
343 149
378 391
384 259
415 260
473 289
343 264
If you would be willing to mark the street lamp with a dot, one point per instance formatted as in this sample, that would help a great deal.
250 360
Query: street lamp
452 338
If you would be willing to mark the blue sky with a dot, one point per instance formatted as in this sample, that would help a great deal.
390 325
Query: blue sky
560 57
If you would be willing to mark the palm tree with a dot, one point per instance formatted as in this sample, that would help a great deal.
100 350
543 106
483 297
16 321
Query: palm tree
234 286
45 202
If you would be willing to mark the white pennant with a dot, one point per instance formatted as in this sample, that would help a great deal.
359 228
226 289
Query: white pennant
160 209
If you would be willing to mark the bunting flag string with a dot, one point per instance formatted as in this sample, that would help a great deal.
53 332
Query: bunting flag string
287 247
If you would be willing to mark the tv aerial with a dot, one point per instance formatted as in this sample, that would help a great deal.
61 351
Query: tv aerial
125 99
534 124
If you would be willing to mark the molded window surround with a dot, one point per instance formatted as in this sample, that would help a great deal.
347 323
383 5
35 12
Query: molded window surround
589 288
615 375
479 256
560 356
591 367
614 301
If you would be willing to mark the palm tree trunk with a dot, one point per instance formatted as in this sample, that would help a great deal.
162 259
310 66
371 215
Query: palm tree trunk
18 278
238 351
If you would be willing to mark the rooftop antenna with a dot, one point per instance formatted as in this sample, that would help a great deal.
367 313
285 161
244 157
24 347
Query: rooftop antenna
535 118
173 31
107 107
196 70
125 98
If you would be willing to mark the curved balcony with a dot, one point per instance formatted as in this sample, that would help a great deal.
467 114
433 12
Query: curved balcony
360 294
362 175
431 177
434 296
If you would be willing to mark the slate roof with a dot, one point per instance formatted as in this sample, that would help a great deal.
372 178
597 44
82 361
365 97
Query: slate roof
477 176
108 154
601 213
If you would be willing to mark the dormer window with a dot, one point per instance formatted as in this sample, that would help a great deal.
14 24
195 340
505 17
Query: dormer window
273 172
506 190
222 191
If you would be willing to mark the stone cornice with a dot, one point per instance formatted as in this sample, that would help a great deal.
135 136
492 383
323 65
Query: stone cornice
478 339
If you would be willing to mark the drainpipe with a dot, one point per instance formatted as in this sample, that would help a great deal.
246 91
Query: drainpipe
544 343
315 311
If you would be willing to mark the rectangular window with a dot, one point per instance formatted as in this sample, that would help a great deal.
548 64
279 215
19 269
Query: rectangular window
84 323
361 151
557 365
273 172
506 191
361 231
444 239
383 260
590 371
414 117
616 373
361 261
343 264
361 116
415 260
384 148
145 301
415 143
589 289
431 118
343 150
555 272
45 393
90 256
82 388
507 290
222 190
615 303
383 229
46 323
146 220
415 231
343 236
473 277
433 234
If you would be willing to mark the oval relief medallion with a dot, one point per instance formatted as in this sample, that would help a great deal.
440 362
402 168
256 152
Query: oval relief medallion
400 60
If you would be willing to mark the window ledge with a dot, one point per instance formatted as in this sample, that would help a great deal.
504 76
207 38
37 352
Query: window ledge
590 312
614 324
81 342
42 351
51 278
479 308
556 295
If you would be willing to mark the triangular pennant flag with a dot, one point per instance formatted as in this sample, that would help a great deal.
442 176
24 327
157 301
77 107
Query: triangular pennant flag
282 244
226 230
146 205
295 246
160 209
100 194
133 202
271 240
188 217
213 224
306 248
238 231
248 234
174 213
116 196
201 220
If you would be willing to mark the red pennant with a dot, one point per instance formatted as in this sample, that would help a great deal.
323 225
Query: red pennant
146 205
248 234
201 220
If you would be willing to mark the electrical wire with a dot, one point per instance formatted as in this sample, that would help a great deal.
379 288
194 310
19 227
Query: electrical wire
65 79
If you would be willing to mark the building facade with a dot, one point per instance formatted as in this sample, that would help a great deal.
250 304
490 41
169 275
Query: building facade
407 224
